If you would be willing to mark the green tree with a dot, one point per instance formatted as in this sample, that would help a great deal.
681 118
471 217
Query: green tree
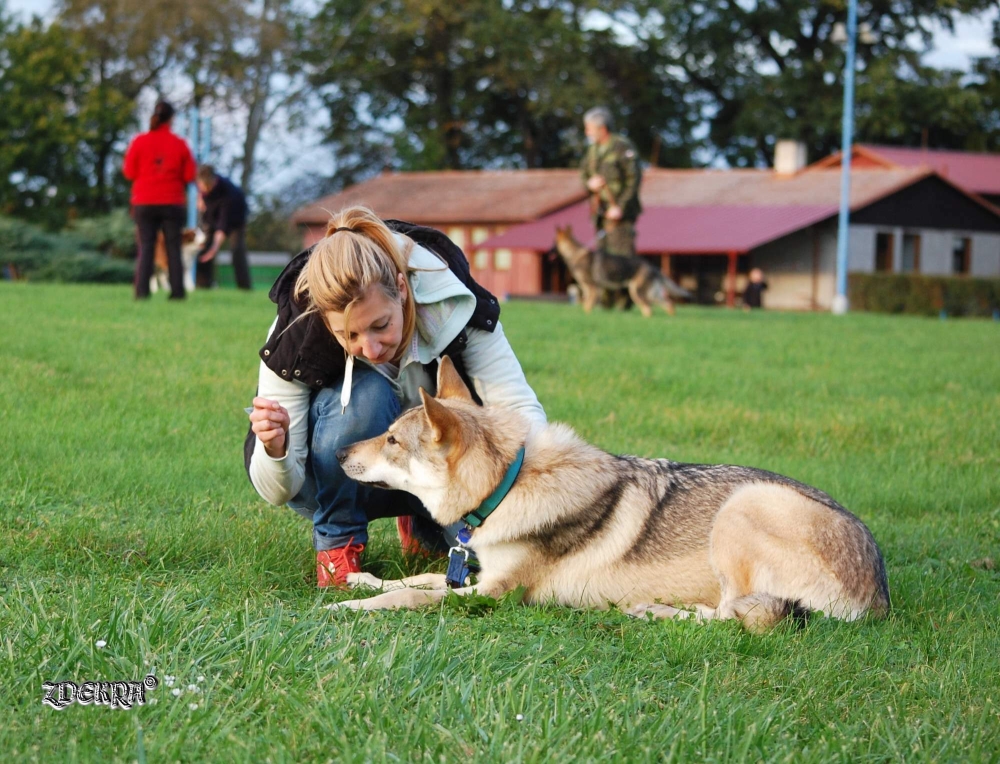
43 80
420 84
986 85
263 78
129 46
242 59
773 69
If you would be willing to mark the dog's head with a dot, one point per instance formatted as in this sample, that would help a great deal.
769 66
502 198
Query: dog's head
440 452
566 244
194 236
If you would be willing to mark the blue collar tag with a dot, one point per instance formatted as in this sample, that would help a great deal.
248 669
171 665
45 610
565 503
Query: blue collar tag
465 536
458 567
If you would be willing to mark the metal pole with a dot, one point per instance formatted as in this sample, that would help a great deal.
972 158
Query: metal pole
206 139
192 194
847 138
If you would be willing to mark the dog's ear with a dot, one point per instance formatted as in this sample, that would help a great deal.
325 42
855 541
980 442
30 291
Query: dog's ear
444 424
450 384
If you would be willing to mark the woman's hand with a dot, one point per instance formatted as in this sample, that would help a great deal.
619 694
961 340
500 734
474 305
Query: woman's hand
270 422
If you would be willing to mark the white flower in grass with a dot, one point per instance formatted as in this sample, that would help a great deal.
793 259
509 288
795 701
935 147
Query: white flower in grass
176 692
168 680
192 706
201 678
520 717
194 688
100 643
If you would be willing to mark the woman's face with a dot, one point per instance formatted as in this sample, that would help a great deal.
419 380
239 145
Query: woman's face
376 328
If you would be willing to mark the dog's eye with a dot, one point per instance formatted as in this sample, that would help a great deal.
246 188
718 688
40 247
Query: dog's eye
391 440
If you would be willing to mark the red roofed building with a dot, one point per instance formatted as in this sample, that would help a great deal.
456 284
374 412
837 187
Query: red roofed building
976 172
469 206
707 228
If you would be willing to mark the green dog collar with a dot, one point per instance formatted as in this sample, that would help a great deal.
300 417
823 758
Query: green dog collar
477 516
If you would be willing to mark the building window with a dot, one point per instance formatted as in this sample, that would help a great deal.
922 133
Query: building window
501 259
883 252
457 235
961 254
911 253
482 259
480 234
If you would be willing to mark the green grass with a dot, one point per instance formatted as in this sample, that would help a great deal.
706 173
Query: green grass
125 516
261 276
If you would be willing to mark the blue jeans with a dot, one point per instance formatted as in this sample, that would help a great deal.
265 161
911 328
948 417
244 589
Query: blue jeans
338 506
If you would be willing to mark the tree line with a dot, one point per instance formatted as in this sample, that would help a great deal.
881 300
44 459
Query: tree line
434 84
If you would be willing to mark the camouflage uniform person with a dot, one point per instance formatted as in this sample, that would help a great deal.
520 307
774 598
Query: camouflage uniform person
612 174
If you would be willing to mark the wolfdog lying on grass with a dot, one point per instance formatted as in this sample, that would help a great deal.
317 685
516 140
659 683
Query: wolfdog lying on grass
584 528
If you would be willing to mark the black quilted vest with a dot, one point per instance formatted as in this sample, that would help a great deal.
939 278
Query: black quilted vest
306 351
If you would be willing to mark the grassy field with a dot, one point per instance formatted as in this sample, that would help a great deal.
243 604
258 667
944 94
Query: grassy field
131 542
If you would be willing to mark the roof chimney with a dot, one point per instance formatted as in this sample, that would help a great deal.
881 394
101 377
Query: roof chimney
789 157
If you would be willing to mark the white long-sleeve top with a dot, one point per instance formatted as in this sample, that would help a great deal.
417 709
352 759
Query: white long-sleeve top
444 306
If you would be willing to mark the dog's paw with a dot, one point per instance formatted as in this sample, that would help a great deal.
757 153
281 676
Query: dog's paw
657 611
346 605
637 611
363 580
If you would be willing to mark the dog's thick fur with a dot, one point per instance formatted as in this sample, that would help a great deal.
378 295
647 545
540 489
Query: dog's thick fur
584 528
191 241
594 271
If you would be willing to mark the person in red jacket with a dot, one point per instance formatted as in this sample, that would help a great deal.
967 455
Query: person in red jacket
160 166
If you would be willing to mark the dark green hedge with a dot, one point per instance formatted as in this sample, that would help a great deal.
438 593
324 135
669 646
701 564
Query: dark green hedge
62 265
40 256
923 295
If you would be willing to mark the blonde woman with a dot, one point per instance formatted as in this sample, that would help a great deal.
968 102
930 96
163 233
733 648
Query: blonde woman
363 317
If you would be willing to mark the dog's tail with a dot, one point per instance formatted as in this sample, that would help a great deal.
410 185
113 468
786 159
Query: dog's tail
670 288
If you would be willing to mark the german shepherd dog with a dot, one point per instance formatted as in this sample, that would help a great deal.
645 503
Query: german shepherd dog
595 270
584 528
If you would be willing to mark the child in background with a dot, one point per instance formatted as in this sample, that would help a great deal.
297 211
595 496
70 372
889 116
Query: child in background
754 293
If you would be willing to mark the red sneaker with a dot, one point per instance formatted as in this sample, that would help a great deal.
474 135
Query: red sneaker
421 537
333 565
404 528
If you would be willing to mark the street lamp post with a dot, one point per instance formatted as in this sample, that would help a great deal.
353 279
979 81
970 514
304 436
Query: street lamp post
847 137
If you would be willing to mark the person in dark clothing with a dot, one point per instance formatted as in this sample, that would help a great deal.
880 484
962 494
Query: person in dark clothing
225 216
160 166
753 295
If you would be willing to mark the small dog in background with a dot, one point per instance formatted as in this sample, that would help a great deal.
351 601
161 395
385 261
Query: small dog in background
192 240
595 270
